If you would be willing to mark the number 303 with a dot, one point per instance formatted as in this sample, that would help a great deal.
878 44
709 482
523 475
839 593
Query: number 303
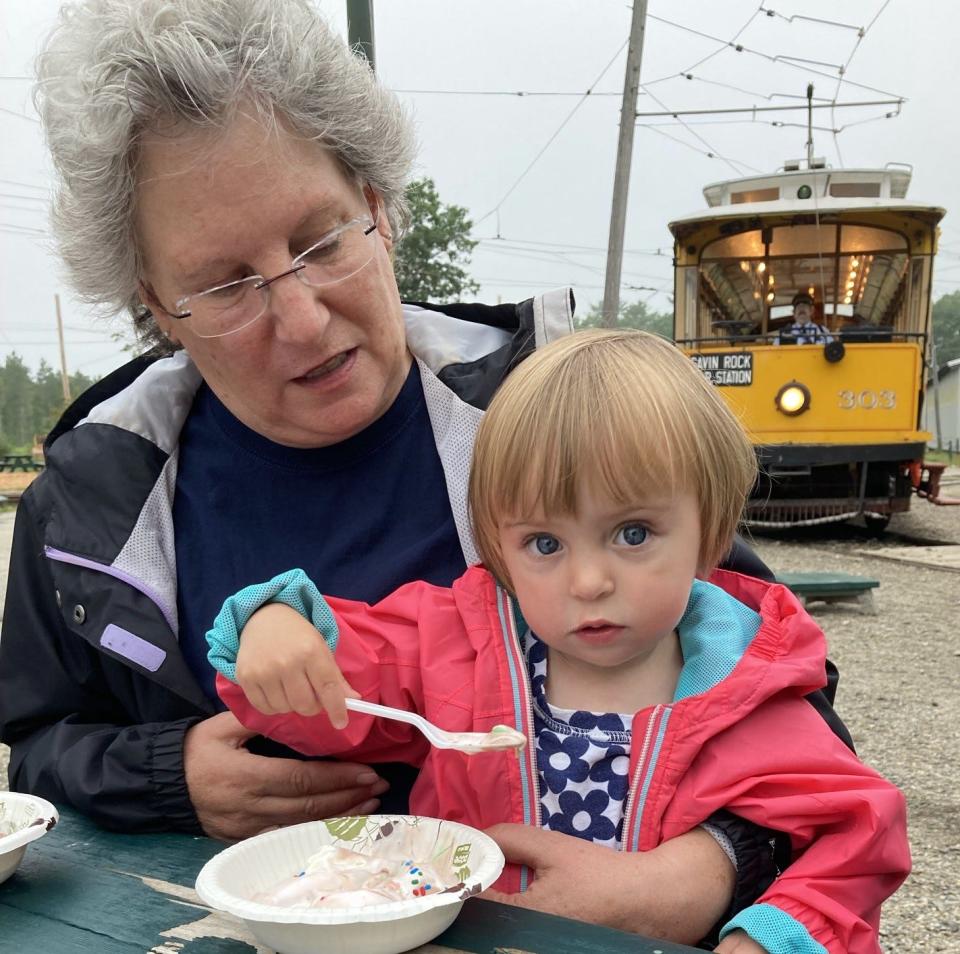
868 400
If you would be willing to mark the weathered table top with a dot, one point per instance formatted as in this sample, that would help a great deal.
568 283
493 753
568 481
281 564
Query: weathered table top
81 890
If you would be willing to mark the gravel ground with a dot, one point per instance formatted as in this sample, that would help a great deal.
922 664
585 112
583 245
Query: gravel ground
898 693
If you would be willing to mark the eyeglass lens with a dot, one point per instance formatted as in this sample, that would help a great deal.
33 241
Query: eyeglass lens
231 307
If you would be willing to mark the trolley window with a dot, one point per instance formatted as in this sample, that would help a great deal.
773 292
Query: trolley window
742 245
858 276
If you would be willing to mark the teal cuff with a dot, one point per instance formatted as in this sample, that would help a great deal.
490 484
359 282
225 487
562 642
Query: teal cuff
293 588
774 930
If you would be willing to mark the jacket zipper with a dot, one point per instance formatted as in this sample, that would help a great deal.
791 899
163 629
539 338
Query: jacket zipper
62 556
523 716
646 764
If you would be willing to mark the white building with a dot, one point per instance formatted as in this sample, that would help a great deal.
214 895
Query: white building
947 396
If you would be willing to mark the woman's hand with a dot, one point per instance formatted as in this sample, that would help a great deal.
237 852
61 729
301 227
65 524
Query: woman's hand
284 665
237 794
677 891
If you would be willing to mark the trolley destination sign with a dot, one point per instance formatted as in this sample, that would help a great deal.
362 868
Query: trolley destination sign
730 369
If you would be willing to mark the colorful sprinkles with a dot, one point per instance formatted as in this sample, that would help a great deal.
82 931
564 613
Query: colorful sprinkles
420 890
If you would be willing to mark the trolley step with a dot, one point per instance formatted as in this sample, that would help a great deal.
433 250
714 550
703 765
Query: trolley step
832 588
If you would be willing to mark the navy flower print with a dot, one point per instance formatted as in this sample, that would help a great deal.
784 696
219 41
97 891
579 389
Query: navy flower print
583 761
561 759
584 817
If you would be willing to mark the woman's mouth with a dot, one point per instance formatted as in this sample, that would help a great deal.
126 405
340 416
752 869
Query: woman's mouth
328 368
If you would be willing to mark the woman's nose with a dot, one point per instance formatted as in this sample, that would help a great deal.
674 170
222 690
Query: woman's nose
298 311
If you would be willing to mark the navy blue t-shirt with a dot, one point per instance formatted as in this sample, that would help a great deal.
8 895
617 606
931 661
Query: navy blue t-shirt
361 517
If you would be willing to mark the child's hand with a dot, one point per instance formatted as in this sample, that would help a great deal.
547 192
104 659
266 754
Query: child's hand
285 666
739 943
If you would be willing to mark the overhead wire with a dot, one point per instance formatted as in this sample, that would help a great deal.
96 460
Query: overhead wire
800 16
739 89
32 326
502 92
32 119
834 129
724 45
24 198
123 352
550 141
786 61
713 153
704 152
21 208
564 245
687 72
23 229
516 283
553 257
24 185
777 123
861 33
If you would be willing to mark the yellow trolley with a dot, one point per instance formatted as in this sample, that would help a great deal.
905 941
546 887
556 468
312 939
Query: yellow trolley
835 418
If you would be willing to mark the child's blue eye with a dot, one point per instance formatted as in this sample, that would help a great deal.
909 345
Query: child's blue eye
544 544
632 535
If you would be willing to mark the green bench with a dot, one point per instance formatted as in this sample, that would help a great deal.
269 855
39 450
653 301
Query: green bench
832 588
12 462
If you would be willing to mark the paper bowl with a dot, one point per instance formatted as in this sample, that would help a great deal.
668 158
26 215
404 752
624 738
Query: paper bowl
467 860
23 818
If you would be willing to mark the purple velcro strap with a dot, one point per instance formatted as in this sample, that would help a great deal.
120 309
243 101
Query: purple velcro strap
132 647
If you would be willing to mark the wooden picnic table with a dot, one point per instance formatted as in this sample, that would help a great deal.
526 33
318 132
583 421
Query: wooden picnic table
14 462
81 889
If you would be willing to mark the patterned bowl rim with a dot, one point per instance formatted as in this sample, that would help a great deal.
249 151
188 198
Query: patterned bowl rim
211 890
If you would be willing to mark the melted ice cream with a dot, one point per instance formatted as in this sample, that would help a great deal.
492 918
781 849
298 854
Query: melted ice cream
498 738
340 878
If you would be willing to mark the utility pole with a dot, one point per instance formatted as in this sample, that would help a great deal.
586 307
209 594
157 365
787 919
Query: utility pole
935 373
64 377
621 178
809 125
360 28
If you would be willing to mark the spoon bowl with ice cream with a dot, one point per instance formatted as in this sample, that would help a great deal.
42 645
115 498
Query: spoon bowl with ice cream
498 739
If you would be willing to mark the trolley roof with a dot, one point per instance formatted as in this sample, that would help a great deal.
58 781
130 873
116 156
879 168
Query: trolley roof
815 189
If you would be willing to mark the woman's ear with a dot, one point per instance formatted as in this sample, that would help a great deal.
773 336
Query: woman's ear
164 322
379 215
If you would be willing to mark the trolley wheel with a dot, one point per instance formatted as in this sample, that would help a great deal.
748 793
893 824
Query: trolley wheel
876 523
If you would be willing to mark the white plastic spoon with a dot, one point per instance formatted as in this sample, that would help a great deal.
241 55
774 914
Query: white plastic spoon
500 737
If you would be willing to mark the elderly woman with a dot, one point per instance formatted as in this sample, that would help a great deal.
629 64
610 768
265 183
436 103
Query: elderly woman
231 173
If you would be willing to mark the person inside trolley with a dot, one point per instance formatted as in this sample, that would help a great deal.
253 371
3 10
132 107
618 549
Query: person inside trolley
803 329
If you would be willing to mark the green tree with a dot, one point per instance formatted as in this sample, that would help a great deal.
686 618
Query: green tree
31 404
16 401
432 257
49 402
946 327
633 315
48 398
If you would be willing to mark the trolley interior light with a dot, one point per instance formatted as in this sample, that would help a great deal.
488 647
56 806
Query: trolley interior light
793 399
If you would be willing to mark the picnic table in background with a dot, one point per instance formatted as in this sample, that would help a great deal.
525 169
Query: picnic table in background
12 462
832 588
80 888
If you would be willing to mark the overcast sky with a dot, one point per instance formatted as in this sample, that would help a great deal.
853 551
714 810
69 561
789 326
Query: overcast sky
536 171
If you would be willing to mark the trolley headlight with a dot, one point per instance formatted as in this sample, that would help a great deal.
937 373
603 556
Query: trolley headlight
793 399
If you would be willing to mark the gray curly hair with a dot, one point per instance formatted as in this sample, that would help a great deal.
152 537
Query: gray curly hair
113 69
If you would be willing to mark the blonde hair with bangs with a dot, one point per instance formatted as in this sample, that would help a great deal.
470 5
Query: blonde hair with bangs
621 412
